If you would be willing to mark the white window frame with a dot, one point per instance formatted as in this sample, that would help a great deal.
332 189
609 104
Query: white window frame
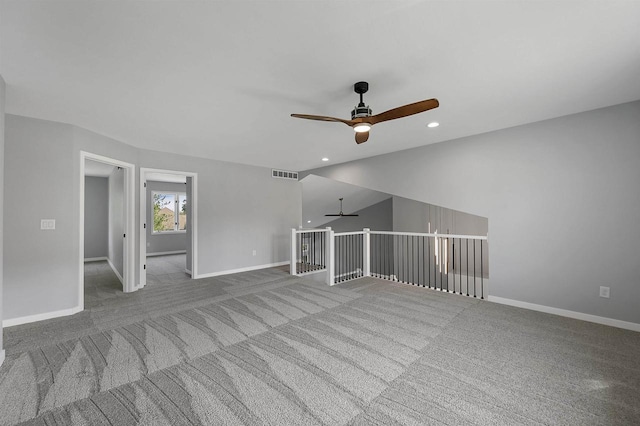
176 212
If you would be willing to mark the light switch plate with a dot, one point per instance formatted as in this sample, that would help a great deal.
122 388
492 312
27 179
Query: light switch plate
604 292
48 224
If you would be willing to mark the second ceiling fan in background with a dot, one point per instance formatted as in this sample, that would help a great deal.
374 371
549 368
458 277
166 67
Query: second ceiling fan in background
342 214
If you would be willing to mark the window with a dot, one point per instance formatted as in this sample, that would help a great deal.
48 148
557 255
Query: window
169 211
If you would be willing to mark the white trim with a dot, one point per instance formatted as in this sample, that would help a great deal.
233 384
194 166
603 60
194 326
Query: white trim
366 252
115 271
154 233
143 219
40 317
186 271
566 313
129 244
94 259
166 253
331 252
1 357
423 234
246 269
302 231
340 234
293 263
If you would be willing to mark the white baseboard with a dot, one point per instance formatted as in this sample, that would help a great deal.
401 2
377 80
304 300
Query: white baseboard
94 259
1 357
115 271
40 317
166 253
235 271
187 271
565 313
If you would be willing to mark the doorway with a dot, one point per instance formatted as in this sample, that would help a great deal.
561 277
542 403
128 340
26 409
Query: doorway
121 218
168 223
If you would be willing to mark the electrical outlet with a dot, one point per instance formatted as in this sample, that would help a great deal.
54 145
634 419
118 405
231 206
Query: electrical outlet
604 292
255 252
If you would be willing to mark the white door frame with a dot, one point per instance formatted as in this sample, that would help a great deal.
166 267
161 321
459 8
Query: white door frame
129 248
193 204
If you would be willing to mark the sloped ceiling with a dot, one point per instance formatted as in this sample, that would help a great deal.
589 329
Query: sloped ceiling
321 196
219 79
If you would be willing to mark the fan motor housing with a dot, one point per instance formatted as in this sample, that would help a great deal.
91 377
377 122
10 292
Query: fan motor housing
361 111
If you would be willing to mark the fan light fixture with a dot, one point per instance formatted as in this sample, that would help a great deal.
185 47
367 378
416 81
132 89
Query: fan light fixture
433 124
362 127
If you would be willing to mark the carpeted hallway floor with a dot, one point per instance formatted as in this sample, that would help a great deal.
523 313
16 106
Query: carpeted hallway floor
264 347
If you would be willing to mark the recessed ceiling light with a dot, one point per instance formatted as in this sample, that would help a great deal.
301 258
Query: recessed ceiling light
308 221
433 124
325 159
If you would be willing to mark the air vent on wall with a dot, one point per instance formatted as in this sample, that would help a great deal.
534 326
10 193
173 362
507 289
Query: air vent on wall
283 174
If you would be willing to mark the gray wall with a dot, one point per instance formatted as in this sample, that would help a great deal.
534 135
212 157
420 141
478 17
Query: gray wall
240 209
415 216
116 219
160 243
560 195
96 217
377 217
40 267
2 103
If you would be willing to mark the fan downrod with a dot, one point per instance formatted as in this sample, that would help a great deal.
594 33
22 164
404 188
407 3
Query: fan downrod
361 110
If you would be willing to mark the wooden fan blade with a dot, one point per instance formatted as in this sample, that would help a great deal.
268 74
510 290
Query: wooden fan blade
322 118
361 137
405 111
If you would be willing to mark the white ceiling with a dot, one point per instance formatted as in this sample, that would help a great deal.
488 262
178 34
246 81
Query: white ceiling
321 196
219 79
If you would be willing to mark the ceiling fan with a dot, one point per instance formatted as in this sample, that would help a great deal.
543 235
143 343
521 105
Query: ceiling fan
361 118
342 214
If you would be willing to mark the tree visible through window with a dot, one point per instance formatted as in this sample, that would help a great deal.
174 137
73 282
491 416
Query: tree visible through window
169 212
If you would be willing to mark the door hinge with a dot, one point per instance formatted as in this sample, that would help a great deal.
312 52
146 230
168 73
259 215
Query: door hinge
145 226
145 267
145 184
124 235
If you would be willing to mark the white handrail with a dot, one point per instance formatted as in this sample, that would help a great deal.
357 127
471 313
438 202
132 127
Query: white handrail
338 234
424 234
303 231
327 248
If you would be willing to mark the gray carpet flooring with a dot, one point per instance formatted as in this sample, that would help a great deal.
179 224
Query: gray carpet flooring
264 347
167 269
